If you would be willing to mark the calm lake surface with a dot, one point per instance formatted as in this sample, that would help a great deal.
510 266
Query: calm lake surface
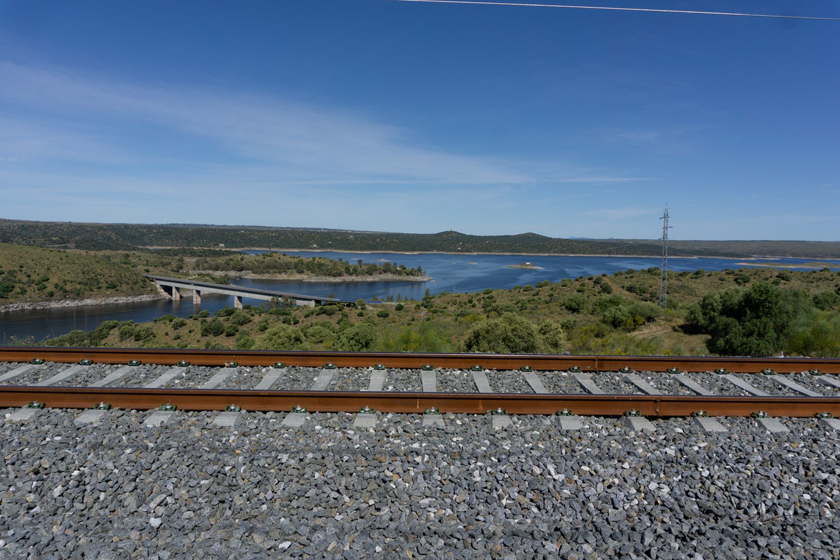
450 273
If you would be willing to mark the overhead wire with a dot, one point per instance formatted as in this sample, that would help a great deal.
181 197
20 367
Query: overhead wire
625 9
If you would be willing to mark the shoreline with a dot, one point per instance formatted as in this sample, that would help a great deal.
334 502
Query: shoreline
230 274
610 255
803 266
368 252
33 306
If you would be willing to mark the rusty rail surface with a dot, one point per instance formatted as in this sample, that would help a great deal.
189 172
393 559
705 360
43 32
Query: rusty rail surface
412 402
418 403
540 362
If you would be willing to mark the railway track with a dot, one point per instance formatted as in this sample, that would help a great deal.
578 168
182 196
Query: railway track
417 383
319 484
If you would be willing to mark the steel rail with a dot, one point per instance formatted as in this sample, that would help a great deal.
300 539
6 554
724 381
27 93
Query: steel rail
540 362
413 402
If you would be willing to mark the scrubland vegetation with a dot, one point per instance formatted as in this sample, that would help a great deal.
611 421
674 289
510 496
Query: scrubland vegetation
33 274
733 312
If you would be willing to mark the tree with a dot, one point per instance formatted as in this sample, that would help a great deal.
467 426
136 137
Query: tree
575 303
553 337
755 322
282 337
819 336
319 334
509 334
357 338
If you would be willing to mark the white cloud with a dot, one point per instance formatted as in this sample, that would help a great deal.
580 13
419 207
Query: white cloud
266 138
298 140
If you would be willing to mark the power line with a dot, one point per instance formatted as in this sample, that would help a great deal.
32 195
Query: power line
621 9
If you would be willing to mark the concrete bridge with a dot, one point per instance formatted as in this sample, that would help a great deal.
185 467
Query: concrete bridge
172 287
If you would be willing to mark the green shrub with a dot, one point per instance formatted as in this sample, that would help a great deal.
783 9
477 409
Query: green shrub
424 338
509 334
756 322
240 318
358 338
630 316
102 331
399 307
73 338
382 313
231 330
827 300
282 337
817 336
603 303
319 334
553 337
144 333
212 328
575 303
126 330
244 342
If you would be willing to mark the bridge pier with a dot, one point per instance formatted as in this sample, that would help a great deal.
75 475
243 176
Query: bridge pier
196 297
176 294
237 302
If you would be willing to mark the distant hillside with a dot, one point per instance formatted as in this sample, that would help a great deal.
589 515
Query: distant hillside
128 236
32 274
793 249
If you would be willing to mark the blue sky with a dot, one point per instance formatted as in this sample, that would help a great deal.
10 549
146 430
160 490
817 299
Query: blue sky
382 115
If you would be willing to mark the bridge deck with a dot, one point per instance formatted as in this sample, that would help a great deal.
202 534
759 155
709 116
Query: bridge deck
237 290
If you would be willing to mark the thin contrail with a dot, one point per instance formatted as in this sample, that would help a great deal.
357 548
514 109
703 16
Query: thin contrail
618 9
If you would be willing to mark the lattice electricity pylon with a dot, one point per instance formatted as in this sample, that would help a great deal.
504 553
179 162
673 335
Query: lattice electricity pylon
663 267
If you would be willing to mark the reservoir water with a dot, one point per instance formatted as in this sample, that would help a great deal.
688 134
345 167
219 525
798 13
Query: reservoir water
450 273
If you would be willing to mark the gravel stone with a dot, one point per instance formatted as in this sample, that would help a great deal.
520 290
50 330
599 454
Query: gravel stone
141 375
561 382
508 382
614 383
91 374
40 373
325 490
767 384
455 381
9 366
717 384
243 378
666 383
407 380
353 379
812 382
